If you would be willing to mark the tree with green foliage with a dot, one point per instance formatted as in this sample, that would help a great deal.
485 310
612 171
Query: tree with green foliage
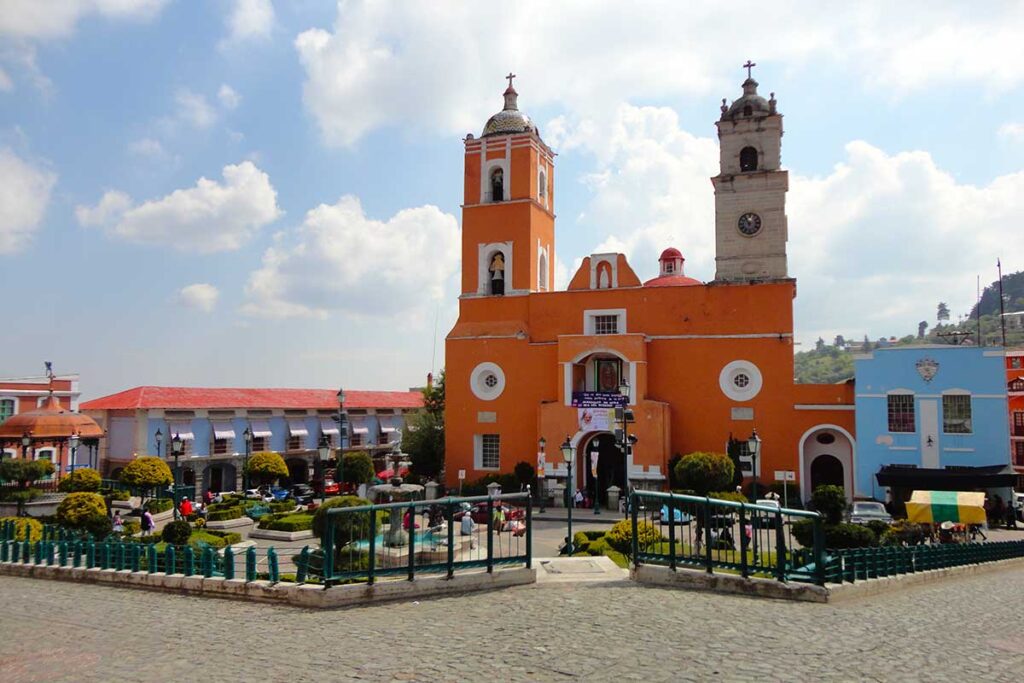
76 509
524 474
25 471
176 532
147 474
703 472
423 438
358 468
267 467
620 536
942 313
82 479
830 501
347 528
921 327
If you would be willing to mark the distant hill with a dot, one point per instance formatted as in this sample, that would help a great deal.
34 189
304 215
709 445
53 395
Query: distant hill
829 363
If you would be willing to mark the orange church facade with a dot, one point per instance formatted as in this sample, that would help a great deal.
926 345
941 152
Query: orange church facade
701 362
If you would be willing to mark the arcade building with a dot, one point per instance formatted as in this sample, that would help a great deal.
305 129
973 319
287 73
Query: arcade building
699 365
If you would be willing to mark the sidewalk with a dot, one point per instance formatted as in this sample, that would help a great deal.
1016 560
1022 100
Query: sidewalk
579 516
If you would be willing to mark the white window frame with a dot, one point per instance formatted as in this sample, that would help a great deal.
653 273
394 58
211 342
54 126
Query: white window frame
590 319
727 377
37 454
485 180
543 268
970 410
485 252
478 452
478 385
14 407
913 405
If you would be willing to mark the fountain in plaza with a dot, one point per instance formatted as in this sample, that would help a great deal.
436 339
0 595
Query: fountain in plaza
395 491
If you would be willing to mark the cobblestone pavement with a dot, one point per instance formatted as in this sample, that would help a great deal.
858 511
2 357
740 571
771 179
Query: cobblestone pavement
965 629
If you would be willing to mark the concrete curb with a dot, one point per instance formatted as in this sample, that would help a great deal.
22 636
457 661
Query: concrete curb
309 595
692 579
868 587
271 535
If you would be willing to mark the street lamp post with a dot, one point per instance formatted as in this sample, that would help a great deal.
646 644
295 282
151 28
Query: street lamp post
324 451
247 438
342 428
754 448
567 455
26 440
623 444
542 474
73 442
159 436
177 448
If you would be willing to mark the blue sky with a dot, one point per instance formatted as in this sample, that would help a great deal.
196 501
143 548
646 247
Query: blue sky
904 138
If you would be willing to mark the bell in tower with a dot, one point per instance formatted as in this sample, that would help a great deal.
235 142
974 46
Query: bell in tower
750 189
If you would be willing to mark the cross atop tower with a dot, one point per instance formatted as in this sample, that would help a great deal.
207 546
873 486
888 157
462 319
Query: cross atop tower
509 78
748 66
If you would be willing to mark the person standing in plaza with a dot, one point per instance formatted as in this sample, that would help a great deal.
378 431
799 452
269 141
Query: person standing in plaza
578 499
147 522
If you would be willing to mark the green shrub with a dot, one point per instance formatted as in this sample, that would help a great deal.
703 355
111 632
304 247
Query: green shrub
266 466
830 501
131 528
24 471
803 532
347 528
224 514
358 468
878 527
673 482
99 526
580 542
176 532
25 526
729 495
147 473
159 505
150 538
76 508
524 473
289 522
116 494
230 537
282 506
84 479
704 472
593 535
902 532
620 537
837 536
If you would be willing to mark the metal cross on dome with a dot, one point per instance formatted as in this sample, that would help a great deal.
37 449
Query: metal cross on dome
748 66
510 77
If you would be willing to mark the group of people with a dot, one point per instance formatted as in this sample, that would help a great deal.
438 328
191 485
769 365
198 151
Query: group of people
1000 512
186 509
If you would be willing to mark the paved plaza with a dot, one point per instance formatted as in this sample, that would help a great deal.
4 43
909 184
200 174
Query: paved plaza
962 629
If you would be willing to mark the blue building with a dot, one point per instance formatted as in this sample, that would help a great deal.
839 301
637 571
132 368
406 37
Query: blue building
931 417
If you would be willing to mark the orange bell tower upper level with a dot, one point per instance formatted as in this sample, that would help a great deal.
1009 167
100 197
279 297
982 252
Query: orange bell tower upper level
508 223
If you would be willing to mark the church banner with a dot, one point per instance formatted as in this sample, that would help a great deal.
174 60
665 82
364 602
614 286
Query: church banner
597 399
596 419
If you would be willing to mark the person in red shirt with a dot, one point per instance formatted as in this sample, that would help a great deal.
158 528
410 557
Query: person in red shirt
186 507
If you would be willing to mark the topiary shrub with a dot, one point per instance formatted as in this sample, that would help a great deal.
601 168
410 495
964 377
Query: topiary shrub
353 527
176 532
729 495
224 514
159 505
673 482
620 537
266 467
83 479
704 472
131 527
902 532
25 528
99 526
878 527
76 508
358 468
147 474
837 536
830 501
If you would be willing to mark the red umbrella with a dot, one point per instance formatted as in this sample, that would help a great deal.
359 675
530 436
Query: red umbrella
386 474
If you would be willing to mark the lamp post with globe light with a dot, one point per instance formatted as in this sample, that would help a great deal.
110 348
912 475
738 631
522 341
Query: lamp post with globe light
247 438
324 451
567 456
177 448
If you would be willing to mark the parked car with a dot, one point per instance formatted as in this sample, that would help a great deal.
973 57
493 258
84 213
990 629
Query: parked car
262 493
303 493
479 512
764 520
865 511
680 516
1018 504
330 487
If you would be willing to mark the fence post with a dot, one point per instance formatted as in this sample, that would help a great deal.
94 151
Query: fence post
490 535
327 550
371 561
272 571
90 555
450 511
529 528
15 551
27 551
189 557
170 561
4 550
412 542
207 562
780 549
62 553
672 536
250 563
744 571
302 565
707 533
229 563
151 558
635 541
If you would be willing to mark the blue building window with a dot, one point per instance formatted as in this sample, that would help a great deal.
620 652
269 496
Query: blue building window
956 414
901 413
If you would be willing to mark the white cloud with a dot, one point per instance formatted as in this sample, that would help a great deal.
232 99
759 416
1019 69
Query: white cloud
6 84
249 19
1013 131
40 19
228 97
200 296
423 65
147 147
209 217
341 260
194 109
24 196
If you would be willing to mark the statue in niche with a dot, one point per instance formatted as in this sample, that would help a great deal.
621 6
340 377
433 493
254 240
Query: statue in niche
497 270
497 185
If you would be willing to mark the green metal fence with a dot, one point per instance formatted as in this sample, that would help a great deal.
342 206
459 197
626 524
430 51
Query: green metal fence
677 530
409 538
858 564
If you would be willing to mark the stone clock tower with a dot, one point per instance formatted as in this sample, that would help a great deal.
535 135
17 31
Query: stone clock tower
750 190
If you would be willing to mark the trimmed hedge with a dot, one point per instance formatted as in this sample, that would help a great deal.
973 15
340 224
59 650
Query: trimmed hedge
224 514
282 506
297 521
177 532
77 508
159 505
837 536
84 479
620 538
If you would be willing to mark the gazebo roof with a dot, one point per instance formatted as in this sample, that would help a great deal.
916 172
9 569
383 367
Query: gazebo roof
50 421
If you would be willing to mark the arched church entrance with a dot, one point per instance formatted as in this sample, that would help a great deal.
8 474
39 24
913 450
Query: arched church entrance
611 466
826 457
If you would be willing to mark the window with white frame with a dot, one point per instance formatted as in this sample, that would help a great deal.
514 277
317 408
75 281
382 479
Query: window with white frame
6 409
490 451
606 324
956 414
901 413
355 440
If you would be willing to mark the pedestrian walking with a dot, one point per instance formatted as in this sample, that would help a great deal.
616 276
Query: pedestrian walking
148 525
118 523
578 499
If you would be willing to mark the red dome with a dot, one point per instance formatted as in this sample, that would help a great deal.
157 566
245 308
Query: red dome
672 281
669 254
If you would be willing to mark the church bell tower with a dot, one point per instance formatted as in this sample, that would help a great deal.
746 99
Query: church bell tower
508 221
750 190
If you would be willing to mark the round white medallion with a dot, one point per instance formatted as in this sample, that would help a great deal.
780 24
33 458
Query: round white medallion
740 380
487 381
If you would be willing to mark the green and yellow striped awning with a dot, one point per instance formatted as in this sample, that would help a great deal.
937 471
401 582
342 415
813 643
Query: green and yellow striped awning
933 507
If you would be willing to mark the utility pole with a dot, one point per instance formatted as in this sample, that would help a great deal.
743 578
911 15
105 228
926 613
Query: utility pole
1002 309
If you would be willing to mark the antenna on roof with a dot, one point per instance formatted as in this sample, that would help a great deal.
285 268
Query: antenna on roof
437 311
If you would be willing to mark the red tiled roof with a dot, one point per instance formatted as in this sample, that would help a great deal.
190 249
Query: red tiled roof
672 281
196 397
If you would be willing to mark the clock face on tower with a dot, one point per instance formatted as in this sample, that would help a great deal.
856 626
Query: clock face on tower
749 224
